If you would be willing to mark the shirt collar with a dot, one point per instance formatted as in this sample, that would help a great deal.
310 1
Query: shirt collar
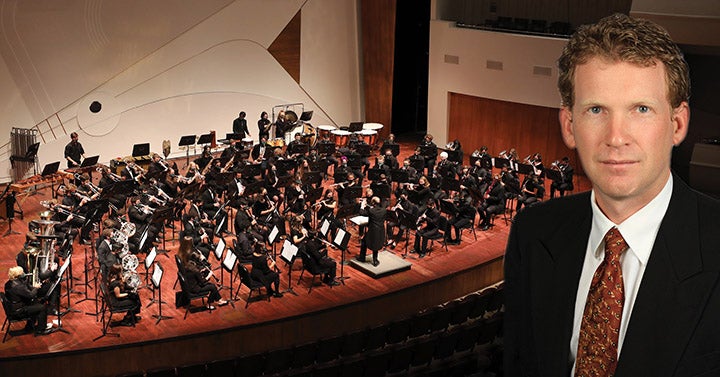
638 230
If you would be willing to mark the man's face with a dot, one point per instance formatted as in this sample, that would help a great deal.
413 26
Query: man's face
624 129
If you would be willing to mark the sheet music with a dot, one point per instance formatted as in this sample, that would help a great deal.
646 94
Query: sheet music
229 261
157 275
289 251
273 234
325 227
150 258
360 220
64 267
339 237
219 248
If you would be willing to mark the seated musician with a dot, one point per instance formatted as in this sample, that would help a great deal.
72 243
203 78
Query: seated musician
325 139
117 201
422 190
235 190
265 271
445 168
201 236
326 207
122 297
204 159
107 252
271 184
412 173
198 272
132 171
467 180
532 191
429 223
27 260
258 153
511 181
306 243
462 218
493 202
457 147
342 189
293 144
141 214
23 301
565 183
404 208
389 141
212 207
511 155
158 168
265 211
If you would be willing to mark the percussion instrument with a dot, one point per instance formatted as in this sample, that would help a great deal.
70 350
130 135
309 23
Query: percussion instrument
372 126
247 142
368 136
277 142
325 129
341 137
306 130
291 117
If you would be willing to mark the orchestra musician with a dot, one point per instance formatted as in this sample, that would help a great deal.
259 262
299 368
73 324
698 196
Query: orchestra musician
122 297
23 302
511 181
565 183
240 125
265 271
258 153
462 218
46 278
404 208
74 152
106 252
297 141
374 238
510 155
282 125
307 243
412 173
428 224
264 126
445 168
198 273
532 191
493 202
430 155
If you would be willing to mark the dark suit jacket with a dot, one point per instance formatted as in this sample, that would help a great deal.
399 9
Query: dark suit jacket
375 234
674 329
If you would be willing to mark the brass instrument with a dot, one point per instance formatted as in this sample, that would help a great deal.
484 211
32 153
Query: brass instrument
146 209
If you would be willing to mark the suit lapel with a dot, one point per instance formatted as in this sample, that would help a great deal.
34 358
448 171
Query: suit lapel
672 293
555 290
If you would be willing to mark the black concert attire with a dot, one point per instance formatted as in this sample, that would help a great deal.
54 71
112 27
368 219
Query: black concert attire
131 301
566 180
106 257
374 238
532 191
240 126
511 181
261 272
263 128
46 278
430 157
281 126
493 203
315 250
406 210
213 209
198 284
446 169
75 151
432 223
462 218
22 299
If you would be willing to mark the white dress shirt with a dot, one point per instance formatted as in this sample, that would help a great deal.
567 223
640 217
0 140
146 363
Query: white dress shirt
639 232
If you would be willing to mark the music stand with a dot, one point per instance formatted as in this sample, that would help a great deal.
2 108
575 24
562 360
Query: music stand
553 174
499 162
409 222
454 155
341 240
187 141
363 149
326 148
156 280
399 176
312 177
374 174
381 190
394 148
149 259
58 279
90 161
252 170
355 126
29 156
347 210
306 116
525 169
288 254
286 165
450 184
418 164
160 216
352 192
228 264
448 207
50 169
340 176
301 148
234 136
205 139
428 151
141 149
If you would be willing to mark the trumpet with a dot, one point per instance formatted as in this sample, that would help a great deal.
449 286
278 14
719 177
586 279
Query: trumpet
155 199
146 209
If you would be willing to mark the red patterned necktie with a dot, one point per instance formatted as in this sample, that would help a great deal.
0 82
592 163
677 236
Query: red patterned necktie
600 328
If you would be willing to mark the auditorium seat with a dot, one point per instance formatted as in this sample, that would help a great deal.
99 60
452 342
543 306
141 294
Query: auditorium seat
376 363
401 355
304 355
353 367
331 369
468 337
441 320
353 343
491 329
375 337
445 346
481 303
192 370
221 368
461 310
250 365
329 349
399 330
421 323
278 360
423 350
161 372
496 299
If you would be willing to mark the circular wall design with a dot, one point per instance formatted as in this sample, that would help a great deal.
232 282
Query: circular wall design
98 113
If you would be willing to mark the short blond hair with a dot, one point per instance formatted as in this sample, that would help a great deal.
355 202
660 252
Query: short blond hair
15 272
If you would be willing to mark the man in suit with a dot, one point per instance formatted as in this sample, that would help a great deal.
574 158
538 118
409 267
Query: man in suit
375 234
625 89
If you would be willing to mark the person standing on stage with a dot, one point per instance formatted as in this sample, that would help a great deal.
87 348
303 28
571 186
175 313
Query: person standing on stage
240 125
74 152
264 126
375 234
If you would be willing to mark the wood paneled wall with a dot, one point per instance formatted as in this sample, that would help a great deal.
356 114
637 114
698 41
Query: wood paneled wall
502 125
378 50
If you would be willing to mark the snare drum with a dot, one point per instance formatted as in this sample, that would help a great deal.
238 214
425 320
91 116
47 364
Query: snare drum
368 136
325 130
341 137
277 142
247 142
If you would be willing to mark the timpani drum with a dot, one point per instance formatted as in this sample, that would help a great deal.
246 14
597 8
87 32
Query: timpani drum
325 130
341 137
368 136
247 142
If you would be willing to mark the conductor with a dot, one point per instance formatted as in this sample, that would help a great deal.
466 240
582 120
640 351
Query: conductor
375 235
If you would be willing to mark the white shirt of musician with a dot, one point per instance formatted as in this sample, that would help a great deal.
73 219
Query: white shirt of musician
240 187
